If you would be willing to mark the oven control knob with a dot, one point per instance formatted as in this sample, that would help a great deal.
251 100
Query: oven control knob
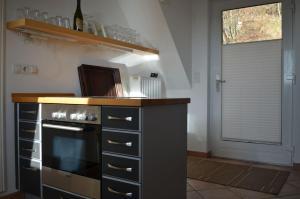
61 115
73 116
91 118
54 115
81 116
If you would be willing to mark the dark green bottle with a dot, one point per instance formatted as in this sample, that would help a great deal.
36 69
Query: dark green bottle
78 18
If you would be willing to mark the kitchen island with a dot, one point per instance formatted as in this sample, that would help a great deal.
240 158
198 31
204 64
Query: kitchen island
142 146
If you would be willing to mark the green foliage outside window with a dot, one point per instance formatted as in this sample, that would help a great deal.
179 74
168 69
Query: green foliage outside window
251 24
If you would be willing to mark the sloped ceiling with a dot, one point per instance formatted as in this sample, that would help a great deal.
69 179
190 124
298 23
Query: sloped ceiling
148 18
178 15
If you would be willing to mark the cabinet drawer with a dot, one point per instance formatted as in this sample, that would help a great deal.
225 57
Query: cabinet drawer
50 193
30 131
119 190
29 149
28 111
30 181
123 143
124 168
121 118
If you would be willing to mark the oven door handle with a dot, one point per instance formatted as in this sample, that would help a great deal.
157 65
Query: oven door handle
61 127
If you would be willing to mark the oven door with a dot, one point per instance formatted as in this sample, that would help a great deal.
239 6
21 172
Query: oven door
72 148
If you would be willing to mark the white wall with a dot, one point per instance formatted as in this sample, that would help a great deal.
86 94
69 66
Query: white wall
297 86
58 61
198 109
178 14
153 26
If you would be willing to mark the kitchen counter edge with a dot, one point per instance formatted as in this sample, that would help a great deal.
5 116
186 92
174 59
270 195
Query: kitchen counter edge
69 98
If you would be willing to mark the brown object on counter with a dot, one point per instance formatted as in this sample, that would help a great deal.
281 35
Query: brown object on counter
136 102
100 81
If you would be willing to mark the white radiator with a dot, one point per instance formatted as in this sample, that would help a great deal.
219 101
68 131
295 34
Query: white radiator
145 87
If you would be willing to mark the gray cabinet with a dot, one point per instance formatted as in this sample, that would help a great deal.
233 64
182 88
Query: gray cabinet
124 143
121 157
28 149
121 118
143 152
30 181
112 189
121 167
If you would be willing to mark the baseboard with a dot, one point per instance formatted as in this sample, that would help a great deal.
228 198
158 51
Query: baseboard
199 154
17 195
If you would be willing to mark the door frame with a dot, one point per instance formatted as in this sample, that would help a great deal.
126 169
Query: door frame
281 154
2 87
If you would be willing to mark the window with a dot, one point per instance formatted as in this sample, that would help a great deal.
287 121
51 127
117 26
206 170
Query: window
258 23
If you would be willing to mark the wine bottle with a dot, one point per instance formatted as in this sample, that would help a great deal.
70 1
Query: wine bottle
78 18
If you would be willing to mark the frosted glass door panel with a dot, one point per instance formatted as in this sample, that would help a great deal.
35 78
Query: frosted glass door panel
251 96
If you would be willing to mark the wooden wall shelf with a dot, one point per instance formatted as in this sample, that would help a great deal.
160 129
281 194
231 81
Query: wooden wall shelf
48 30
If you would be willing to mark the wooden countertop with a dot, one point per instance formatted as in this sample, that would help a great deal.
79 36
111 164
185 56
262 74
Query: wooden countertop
69 98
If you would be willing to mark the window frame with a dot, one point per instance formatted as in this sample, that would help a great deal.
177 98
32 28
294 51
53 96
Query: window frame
2 88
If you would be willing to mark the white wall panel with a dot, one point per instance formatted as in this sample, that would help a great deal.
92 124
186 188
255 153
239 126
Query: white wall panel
251 96
2 180
296 88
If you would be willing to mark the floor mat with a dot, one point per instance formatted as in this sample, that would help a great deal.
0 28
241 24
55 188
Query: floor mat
237 175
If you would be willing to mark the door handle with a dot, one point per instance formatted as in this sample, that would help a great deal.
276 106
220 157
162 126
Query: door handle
221 81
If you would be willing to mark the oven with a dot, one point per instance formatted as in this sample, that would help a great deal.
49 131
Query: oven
71 149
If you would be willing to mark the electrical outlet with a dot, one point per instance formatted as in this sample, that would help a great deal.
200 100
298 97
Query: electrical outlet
17 68
25 69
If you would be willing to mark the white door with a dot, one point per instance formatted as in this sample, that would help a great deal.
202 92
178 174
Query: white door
251 72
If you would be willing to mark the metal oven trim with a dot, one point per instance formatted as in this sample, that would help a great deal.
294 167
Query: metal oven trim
69 182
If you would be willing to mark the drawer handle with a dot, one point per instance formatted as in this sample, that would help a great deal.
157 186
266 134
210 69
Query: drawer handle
129 144
29 112
119 168
29 150
28 131
30 168
127 119
119 193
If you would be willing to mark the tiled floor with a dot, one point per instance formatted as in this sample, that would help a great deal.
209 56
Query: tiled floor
204 190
